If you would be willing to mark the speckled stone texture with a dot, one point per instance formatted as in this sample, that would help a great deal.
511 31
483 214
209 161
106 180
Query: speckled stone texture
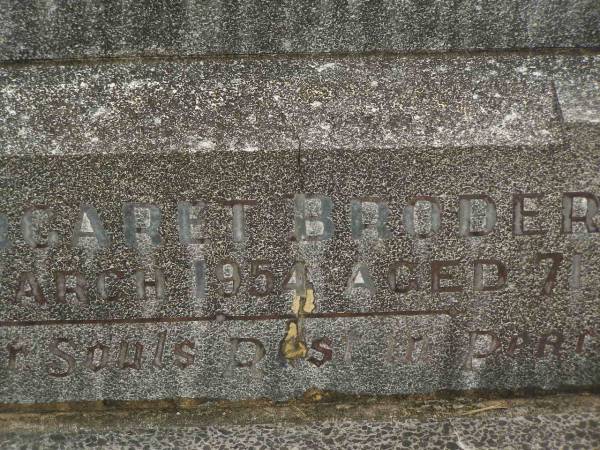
254 228
552 431
96 28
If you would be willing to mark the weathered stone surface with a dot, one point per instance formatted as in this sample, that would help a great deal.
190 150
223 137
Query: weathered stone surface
353 103
66 29
578 430
351 175
503 428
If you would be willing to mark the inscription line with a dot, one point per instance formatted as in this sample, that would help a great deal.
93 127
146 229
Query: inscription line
224 318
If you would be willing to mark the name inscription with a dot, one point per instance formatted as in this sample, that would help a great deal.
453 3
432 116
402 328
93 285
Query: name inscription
312 222
421 218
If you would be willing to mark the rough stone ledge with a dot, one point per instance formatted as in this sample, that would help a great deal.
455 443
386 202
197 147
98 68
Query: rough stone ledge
276 105
314 405
556 421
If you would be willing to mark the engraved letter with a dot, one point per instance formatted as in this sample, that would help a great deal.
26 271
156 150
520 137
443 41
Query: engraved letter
471 210
14 349
479 282
522 212
89 229
437 275
29 287
572 206
124 363
419 346
69 359
369 220
401 271
575 275
546 340
518 341
478 350
297 279
262 278
322 346
103 284
36 220
158 283
160 350
414 222
312 218
361 278
351 337
185 358
102 361
579 349
239 218
141 222
550 280
190 219
70 283
228 273
252 363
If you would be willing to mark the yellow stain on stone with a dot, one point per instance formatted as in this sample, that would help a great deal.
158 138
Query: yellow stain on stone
304 305
292 346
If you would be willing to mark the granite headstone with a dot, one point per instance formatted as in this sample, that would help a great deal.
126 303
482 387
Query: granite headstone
255 227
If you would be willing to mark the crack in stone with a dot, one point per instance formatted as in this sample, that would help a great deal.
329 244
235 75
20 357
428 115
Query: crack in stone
556 103
558 111
298 56
299 165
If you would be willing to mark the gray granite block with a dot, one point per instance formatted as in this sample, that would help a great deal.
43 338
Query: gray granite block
240 229
66 29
